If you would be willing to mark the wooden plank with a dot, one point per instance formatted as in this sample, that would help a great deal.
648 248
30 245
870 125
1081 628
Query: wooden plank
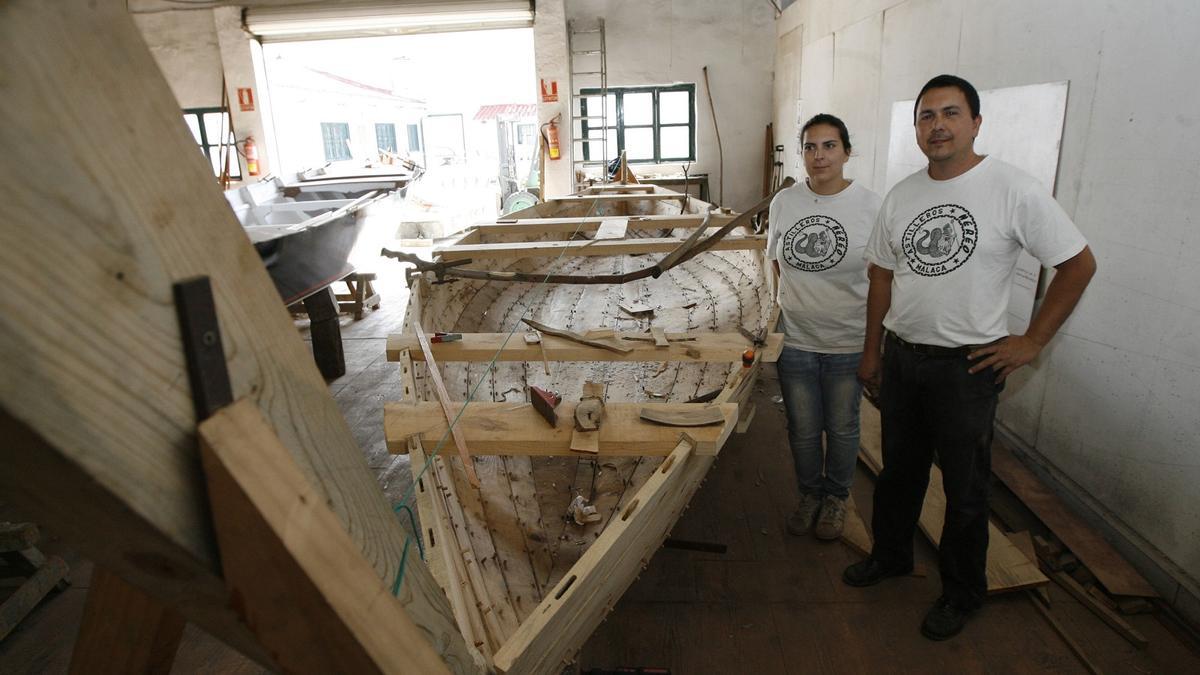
632 187
612 228
855 533
1114 621
538 226
516 429
710 347
17 536
104 454
1066 637
442 542
1109 566
1007 568
591 247
573 609
301 584
658 197
450 411
123 630
660 337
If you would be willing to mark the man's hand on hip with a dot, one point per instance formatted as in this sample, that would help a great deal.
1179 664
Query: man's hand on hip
1005 356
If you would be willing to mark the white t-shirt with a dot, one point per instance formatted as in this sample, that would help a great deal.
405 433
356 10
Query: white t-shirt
953 245
818 241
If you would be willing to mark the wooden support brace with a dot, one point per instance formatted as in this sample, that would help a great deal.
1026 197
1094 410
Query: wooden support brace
539 226
705 347
293 573
508 429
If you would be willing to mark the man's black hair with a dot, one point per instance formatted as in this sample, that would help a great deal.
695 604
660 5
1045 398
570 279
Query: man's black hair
958 83
826 118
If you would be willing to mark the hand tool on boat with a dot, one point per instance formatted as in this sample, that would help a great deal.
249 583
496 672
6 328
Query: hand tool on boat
445 337
544 402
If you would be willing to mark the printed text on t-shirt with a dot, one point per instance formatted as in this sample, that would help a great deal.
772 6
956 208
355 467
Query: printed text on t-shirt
815 243
940 240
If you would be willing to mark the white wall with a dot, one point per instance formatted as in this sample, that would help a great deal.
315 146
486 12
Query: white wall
1112 405
668 41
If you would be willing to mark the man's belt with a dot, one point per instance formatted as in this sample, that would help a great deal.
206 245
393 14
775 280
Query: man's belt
933 350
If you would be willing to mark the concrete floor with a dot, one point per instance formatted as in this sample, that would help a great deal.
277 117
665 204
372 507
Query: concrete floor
773 603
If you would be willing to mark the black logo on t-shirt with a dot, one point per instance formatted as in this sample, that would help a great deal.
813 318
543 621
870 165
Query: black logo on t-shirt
815 244
940 240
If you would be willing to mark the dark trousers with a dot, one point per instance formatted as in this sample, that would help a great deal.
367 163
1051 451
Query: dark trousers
930 404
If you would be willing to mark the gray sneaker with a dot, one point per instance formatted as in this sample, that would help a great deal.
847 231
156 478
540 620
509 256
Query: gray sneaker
832 519
800 522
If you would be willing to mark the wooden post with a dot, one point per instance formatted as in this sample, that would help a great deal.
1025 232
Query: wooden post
322 308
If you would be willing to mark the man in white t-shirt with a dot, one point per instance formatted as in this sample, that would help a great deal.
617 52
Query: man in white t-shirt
942 258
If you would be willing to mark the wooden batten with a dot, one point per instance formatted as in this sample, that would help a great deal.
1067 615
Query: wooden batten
591 247
516 429
605 198
697 347
539 226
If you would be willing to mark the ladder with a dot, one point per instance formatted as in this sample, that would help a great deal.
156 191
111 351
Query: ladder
589 70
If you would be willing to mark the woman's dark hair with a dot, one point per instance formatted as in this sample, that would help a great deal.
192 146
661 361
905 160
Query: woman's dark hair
956 82
826 118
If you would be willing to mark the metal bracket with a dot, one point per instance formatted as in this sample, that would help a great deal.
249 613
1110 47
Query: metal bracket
207 372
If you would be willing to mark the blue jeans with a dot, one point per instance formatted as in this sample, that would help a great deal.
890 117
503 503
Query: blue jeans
821 394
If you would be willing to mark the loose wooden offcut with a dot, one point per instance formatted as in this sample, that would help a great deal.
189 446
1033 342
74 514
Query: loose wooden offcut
1133 635
1007 568
687 417
1109 566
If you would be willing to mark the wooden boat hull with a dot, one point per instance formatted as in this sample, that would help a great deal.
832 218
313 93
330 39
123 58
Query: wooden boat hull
529 584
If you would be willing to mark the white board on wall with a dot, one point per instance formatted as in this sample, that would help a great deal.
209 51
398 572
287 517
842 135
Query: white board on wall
1022 126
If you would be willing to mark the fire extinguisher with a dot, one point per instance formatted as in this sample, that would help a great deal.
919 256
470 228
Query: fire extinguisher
250 152
552 140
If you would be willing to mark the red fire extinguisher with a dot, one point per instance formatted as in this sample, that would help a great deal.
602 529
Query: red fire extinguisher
250 151
552 140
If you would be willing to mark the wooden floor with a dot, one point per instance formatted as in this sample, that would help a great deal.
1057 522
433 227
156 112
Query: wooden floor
773 603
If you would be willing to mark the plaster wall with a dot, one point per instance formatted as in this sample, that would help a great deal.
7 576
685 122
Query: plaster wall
184 43
1110 406
670 41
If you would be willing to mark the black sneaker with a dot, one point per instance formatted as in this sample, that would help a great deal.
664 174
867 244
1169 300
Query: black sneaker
870 571
944 620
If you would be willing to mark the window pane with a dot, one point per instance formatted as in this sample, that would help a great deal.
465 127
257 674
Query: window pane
639 144
213 126
193 123
674 108
607 149
385 137
414 138
336 138
639 108
674 141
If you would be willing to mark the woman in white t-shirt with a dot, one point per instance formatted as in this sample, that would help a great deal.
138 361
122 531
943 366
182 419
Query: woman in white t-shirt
818 230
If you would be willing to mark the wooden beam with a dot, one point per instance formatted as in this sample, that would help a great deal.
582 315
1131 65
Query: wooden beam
536 226
1109 566
631 187
1007 568
297 578
588 591
104 453
591 247
517 429
711 347
123 630
448 409
658 197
